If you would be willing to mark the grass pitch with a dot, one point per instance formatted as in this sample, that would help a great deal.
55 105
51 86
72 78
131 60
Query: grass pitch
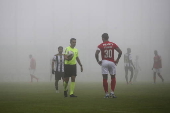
41 98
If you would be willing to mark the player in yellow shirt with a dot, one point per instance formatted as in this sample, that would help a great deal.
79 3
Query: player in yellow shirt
70 67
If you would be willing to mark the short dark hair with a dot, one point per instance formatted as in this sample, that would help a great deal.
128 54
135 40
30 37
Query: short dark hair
128 48
72 39
60 47
30 56
155 51
105 36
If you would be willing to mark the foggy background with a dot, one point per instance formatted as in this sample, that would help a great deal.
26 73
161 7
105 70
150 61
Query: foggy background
38 27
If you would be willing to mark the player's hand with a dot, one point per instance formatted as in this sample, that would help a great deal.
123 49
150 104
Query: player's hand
116 62
100 62
69 58
52 71
81 68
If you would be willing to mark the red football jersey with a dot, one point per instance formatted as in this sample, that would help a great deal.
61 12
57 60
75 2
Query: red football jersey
107 50
157 62
32 63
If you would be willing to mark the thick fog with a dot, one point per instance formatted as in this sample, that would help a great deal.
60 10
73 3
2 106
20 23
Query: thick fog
38 27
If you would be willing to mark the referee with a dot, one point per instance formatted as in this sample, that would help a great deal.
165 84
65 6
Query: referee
70 68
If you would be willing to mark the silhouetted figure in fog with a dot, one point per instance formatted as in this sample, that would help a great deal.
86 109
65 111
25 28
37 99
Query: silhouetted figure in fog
58 60
32 68
128 65
70 68
137 68
108 64
157 65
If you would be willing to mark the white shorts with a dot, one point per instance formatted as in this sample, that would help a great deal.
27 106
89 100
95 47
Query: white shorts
32 71
108 67
157 70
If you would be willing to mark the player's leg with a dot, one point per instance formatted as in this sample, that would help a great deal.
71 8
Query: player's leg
57 78
73 72
104 67
105 85
126 74
161 77
31 72
154 77
31 78
131 76
56 86
112 71
72 86
33 75
66 79
63 78
113 84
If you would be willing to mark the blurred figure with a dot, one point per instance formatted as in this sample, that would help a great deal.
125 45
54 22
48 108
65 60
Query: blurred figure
32 68
157 65
108 64
58 60
70 68
128 65
137 68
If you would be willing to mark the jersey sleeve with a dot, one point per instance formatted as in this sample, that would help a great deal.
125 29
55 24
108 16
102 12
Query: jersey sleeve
115 46
99 47
54 58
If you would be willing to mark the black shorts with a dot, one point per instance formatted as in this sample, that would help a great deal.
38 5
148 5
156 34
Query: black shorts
59 75
70 70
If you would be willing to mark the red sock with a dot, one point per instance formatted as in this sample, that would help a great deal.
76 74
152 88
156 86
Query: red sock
105 85
113 84
160 76
154 78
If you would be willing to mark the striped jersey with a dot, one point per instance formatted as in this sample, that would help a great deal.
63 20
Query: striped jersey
59 62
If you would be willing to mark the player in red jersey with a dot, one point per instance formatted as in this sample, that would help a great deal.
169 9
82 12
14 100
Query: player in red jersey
32 68
108 64
157 65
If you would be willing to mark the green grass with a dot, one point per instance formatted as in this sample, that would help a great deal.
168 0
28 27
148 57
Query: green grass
41 98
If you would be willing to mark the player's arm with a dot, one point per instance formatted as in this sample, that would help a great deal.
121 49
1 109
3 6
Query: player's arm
52 64
119 54
52 67
78 60
97 57
65 57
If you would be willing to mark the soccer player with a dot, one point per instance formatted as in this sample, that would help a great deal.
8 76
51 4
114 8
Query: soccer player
108 64
70 67
137 68
157 65
32 68
128 65
59 65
